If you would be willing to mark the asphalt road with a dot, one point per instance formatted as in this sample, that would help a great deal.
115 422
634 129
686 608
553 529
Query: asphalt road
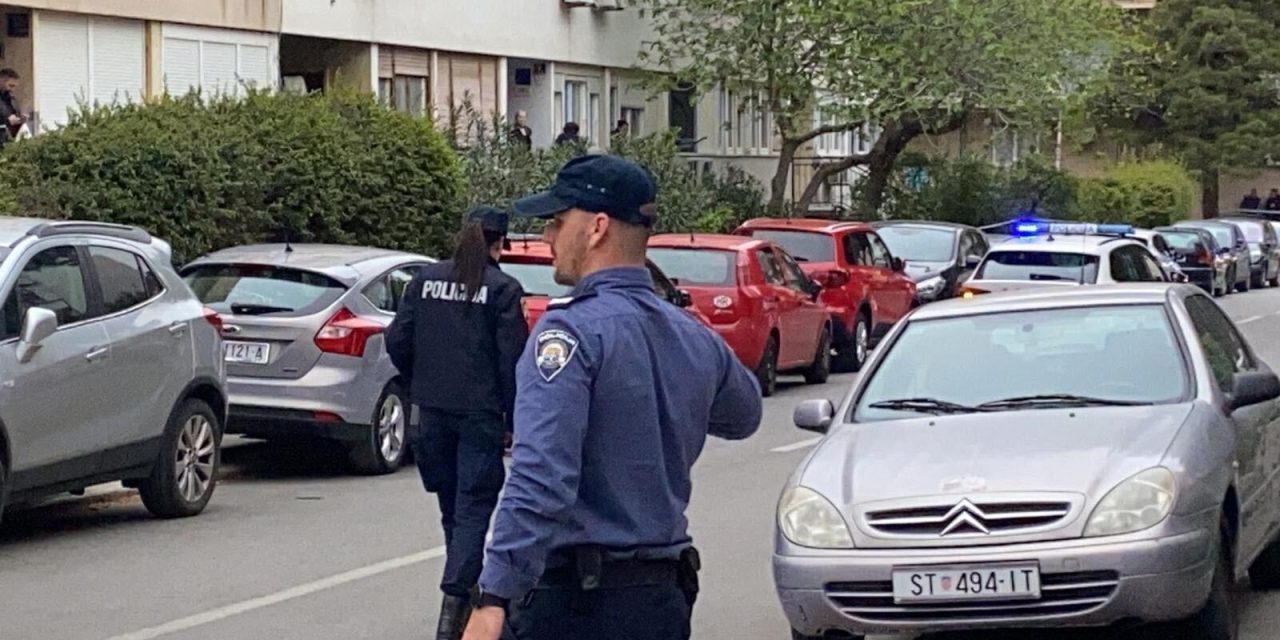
291 548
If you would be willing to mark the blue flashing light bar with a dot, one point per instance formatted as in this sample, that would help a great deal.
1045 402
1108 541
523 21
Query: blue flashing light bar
1037 228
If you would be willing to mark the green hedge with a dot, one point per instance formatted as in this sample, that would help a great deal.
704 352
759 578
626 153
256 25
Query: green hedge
968 189
1145 194
206 173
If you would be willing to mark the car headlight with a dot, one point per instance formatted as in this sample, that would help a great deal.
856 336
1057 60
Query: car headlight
931 287
808 519
1139 503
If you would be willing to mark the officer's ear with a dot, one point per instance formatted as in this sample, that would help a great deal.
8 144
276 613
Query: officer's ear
599 230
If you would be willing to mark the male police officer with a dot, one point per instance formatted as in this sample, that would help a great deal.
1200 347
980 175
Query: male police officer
617 391
456 337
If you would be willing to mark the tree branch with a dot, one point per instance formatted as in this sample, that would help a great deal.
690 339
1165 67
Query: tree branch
825 129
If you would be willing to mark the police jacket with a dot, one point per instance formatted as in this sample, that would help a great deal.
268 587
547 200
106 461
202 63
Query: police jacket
457 348
618 390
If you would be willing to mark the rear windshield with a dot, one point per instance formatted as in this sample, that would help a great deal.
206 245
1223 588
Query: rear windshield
1040 265
1222 234
537 279
919 244
696 266
1252 231
262 290
1183 241
804 246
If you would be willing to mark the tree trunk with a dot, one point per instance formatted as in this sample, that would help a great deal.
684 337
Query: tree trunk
778 186
820 177
1209 193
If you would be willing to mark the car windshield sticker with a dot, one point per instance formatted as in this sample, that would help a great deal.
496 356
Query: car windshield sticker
555 349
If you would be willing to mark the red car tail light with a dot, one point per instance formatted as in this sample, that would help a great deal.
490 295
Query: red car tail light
1206 258
346 334
213 318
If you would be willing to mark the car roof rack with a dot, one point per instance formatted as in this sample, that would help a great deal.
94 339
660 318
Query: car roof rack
123 232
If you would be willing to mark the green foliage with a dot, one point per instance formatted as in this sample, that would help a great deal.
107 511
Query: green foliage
1145 194
970 190
206 173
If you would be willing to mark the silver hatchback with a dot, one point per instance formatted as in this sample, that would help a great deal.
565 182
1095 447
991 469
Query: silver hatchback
303 343
1068 457
110 369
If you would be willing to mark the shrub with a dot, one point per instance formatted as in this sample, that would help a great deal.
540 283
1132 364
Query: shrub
1145 194
970 190
206 173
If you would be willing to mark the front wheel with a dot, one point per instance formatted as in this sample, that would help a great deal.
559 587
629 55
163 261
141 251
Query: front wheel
820 370
383 449
796 635
853 353
186 473
767 370
1243 285
1219 619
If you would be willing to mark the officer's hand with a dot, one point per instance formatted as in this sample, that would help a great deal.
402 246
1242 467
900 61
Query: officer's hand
486 624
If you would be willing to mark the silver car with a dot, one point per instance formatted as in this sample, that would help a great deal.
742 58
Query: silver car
1087 456
110 369
303 342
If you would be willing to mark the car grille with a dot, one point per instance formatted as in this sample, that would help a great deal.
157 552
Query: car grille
1060 594
967 519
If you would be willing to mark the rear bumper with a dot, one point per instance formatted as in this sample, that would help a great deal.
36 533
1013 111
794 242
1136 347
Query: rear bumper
267 422
745 339
1202 277
339 385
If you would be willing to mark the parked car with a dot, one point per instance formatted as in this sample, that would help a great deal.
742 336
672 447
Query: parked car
938 255
1196 252
1140 420
529 261
864 286
112 368
756 297
304 348
1264 250
1232 246
1066 255
1159 247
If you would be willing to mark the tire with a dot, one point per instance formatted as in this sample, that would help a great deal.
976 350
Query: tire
1220 617
796 635
767 370
820 370
186 471
849 357
1264 573
1258 281
383 449
1243 287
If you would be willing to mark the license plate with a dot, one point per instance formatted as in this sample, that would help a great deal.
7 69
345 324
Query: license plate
246 352
958 583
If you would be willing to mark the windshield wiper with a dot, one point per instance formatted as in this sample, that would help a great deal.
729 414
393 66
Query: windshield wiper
924 405
1058 400
249 309
1049 276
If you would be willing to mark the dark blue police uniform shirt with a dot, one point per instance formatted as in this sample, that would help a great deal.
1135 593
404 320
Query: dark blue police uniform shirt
616 393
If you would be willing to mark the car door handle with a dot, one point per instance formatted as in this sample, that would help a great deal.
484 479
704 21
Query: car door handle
178 329
97 353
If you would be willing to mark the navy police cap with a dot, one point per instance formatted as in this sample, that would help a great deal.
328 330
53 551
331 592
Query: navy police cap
490 218
599 184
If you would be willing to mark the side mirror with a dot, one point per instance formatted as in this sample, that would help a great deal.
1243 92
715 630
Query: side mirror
814 415
899 265
1252 387
972 262
38 325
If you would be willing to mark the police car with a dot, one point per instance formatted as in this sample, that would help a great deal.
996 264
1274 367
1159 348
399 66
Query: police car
1044 254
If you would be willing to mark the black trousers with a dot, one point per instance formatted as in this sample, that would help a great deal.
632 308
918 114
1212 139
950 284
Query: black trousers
459 457
650 612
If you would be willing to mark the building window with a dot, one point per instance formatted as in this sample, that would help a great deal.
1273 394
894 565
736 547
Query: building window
746 125
575 102
409 94
683 117
634 118
1008 147
384 91
615 106
864 138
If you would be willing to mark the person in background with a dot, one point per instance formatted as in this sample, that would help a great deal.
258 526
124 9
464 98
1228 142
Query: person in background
456 338
617 393
1252 201
569 135
623 128
521 133
10 113
1273 201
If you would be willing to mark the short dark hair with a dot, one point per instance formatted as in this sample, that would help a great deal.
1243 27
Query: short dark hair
8 73
571 128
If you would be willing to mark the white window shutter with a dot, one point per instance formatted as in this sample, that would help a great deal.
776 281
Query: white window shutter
62 65
119 60
181 65
255 67
218 68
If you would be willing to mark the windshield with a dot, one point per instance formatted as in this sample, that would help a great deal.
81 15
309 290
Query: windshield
262 290
1039 265
1222 234
696 266
804 246
1252 231
918 243
1030 353
1184 241
536 278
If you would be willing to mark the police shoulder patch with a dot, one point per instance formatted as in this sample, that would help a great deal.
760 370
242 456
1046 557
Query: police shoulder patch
554 349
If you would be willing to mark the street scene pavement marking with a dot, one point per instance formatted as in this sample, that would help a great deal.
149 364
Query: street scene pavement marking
292 593
796 446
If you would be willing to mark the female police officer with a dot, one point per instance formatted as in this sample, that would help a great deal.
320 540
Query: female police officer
457 336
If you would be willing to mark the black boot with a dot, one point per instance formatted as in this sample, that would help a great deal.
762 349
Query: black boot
454 613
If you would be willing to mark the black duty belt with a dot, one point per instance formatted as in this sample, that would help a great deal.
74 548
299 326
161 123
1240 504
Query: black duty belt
614 574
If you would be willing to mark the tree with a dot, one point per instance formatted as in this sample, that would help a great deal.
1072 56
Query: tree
1204 84
904 69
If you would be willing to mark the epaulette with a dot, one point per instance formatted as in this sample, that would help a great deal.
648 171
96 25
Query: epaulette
564 302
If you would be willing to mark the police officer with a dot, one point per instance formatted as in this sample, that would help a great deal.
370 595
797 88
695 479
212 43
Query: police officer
457 336
617 391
